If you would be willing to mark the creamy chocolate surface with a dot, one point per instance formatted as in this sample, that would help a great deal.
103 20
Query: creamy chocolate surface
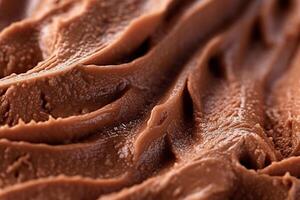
149 99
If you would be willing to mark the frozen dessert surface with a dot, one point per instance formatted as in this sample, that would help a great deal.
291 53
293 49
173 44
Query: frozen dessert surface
149 99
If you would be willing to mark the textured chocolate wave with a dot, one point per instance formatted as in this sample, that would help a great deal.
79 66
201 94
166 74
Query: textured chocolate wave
152 99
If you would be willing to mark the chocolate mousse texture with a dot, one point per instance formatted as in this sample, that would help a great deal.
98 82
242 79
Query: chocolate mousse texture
149 99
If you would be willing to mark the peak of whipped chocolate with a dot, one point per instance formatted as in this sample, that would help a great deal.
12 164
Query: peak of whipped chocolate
149 99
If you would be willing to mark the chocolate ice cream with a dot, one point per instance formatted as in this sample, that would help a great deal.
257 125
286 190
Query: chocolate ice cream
149 99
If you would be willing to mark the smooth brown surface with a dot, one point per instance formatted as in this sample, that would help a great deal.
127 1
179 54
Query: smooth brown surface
149 99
